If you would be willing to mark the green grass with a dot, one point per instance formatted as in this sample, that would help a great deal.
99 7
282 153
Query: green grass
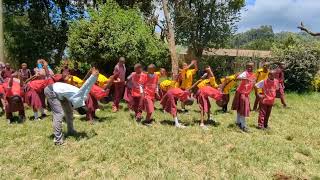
117 147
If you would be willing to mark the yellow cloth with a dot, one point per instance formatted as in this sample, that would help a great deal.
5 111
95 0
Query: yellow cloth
261 76
102 80
75 81
187 78
208 82
168 84
230 83
158 73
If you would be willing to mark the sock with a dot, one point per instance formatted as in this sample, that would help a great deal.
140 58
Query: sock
243 122
176 121
36 115
238 119
42 111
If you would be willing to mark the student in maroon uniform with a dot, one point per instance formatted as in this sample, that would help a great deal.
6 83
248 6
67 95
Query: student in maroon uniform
7 71
150 92
169 104
65 71
137 78
241 101
13 98
119 85
25 73
269 87
279 75
35 92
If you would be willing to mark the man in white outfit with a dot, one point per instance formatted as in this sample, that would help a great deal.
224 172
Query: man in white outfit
63 98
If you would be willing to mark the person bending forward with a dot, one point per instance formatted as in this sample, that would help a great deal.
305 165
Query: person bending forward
63 98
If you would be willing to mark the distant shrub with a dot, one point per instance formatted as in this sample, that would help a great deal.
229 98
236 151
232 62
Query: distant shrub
302 64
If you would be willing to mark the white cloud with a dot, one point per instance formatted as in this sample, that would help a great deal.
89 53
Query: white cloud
283 15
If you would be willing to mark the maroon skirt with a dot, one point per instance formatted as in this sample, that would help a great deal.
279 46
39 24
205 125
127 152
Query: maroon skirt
127 97
204 103
92 103
241 103
32 98
168 103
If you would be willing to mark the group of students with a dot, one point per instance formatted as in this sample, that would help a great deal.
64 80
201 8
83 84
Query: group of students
69 91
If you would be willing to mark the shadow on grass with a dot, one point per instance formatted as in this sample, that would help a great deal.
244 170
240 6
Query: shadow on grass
208 123
171 123
78 135
99 119
232 125
220 111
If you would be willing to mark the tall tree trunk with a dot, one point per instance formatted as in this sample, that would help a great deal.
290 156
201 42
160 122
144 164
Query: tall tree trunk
1 34
170 38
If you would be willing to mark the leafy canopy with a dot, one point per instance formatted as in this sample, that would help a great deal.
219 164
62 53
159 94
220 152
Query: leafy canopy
111 32
204 24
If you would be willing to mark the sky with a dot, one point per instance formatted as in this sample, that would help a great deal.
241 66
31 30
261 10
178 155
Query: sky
283 15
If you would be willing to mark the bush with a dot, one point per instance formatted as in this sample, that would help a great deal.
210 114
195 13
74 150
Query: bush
111 32
316 82
302 64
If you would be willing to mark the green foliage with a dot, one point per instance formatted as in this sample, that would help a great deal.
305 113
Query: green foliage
205 24
302 64
82 66
316 82
257 39
111 32
36 29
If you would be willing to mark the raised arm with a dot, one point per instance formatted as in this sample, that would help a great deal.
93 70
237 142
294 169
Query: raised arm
195 64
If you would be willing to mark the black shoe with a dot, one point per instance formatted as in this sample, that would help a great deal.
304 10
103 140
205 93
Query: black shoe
59 143
43 116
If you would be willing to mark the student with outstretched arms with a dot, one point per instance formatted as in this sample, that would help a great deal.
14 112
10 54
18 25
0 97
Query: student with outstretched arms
227 84
186 76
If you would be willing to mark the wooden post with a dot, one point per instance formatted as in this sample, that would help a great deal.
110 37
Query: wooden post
170 38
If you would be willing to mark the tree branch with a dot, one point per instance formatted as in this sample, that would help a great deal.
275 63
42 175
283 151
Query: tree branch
303 28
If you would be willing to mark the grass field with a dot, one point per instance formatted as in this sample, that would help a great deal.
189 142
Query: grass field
117 147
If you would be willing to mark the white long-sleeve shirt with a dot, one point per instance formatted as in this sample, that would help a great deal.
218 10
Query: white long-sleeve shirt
73 94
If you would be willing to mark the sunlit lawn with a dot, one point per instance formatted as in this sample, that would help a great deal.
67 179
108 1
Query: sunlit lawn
117 147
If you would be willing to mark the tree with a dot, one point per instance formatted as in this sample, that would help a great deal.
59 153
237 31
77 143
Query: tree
111 32
204 24
38 28
170 38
